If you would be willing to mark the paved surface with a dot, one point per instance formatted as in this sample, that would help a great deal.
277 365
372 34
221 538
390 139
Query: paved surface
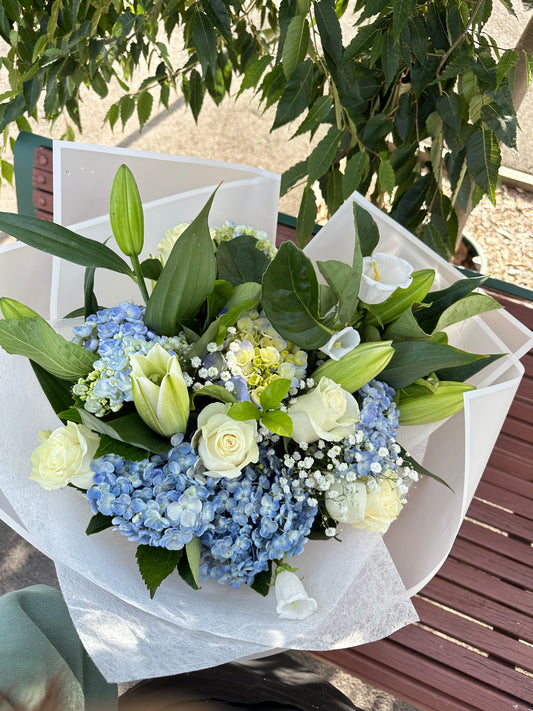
238 132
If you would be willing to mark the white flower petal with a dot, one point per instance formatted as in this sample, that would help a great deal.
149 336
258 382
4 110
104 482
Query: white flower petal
293 603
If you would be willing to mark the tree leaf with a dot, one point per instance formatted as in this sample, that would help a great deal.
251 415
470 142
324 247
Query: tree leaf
35 339
318 114
297 94
355 171
292 175
366 230
386 175
450 110
239 261
128 428
62 242
330 31
323 154
254 72
188 277
306 216
439 301
278 422
290 298
401 11
483 161
145 101
205 39
155 564
295 45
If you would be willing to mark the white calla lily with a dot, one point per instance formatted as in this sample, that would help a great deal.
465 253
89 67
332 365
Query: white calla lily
341 343
293 603
382 275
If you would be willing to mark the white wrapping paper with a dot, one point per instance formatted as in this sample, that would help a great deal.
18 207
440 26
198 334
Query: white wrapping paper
357 583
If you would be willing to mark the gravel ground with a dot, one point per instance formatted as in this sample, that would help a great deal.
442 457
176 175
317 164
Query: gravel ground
505 235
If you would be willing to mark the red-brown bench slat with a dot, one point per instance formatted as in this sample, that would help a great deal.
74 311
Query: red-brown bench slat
475 635
518 429
493 588
464 660
522 410
525 389
511 570
500 496
508 547
518 448
507 461
507 482
477 606
444 678
498 518
414 691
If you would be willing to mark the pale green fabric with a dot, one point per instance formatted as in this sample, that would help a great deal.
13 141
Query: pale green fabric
38 642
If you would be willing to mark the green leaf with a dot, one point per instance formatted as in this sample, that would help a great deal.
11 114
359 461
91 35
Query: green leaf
108 445
145 103
355 172
464 372
439 301
239 261
421 408
216 392
295 45
306 216
416 359
205 39
186 574
413 464
187 278
450 110
401 12
386 175
323 154
274 393
262 581
98 523
71 414
363 40
467 307
196 91
129 429
254 72
127 107
243 411
290 298
278 422
292 175
155 564
151 269
193 549
318 114
90 302
62 242
330 31
297 94
358 367
366 230
57 391
483 161
406 328
344 281
390 59
35 339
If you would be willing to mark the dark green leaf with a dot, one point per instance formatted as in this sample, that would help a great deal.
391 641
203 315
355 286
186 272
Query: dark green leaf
503 125
186 574
362 41
318 114
218 13
306 216
128 428
91 304
262 581
292 175
62 242
57 391
390 57
108 445
464 372
323 154
366 230
239 260
193 549
254 71
290 298
416 359
71 414
127 107
196 93
401 11
410 462
439 301
411 201
404 120
355 171
145 102
386 176
450 111
216 392
205 39
333 196
418 37
187 278
376 129
507 61
297 94
151 269
330 30
422 75
155 564
98 523
295 45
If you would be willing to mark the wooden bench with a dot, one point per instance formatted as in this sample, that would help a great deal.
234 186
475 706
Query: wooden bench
473 647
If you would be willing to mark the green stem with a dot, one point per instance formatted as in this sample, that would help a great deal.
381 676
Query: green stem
139 277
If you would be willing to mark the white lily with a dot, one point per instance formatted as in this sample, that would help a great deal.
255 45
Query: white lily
293 603
341 343
159 392
382 275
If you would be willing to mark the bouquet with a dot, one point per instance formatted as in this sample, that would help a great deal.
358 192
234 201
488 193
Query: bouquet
246 403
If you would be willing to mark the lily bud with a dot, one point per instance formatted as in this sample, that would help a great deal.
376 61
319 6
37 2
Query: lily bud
357 367
12 309
126 212
433 406
159 391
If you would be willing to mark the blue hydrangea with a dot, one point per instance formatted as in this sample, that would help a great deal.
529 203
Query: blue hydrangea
115 334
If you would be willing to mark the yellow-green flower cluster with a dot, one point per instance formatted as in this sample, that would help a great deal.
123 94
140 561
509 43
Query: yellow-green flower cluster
257 353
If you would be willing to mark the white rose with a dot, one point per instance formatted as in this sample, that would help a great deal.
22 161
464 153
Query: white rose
362 507
225 445
327 412
65 457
